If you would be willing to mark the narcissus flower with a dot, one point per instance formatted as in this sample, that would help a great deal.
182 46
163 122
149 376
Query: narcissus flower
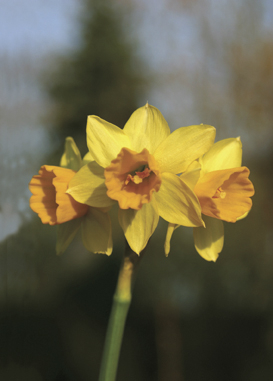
56 207
137 169
223 190
49 199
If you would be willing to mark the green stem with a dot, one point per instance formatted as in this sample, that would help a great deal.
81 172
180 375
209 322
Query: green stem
120 307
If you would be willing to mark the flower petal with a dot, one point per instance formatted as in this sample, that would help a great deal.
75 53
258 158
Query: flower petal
167 244
65 234
87 158
177 203
146 128
88 186
192 174
224 154
71 157
209 241
183 146
97 232
105 140
139 225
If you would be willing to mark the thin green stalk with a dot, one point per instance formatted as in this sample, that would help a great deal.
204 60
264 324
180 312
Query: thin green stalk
120 307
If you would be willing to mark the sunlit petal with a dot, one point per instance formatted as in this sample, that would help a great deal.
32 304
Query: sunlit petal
105 140
146 128
139 225
209 241
88 186
224 154
183 146
87 158
192 174
177 203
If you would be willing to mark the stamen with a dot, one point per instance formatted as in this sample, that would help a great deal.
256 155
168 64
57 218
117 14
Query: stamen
143 174
138 177
220 193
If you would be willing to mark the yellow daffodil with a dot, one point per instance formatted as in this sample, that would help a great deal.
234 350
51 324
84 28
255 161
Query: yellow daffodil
137 168
56 207
223 190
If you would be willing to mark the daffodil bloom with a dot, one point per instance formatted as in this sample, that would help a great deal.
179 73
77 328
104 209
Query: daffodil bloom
137 169
49 199
56 207
223 189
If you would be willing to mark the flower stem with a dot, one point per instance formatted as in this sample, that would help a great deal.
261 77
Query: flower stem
116 324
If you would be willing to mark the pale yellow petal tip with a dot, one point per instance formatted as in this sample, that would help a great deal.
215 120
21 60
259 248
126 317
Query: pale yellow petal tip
210 257
212 128
108 252
214 259
135 249
167 249
238 139
209 129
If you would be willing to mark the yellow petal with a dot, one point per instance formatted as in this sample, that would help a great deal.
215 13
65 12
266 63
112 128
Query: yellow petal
224 154
209 241
192 174
105 140
65 234
139 225
146 128
88 186
87 158
167 244
97 232
71 157
183 146
177 203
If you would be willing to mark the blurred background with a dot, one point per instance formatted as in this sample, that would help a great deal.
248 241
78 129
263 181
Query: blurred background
197 61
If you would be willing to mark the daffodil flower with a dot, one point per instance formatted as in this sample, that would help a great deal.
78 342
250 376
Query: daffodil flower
223 189
137 169
56 207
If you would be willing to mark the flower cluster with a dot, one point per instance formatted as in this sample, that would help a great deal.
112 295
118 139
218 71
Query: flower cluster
148 172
